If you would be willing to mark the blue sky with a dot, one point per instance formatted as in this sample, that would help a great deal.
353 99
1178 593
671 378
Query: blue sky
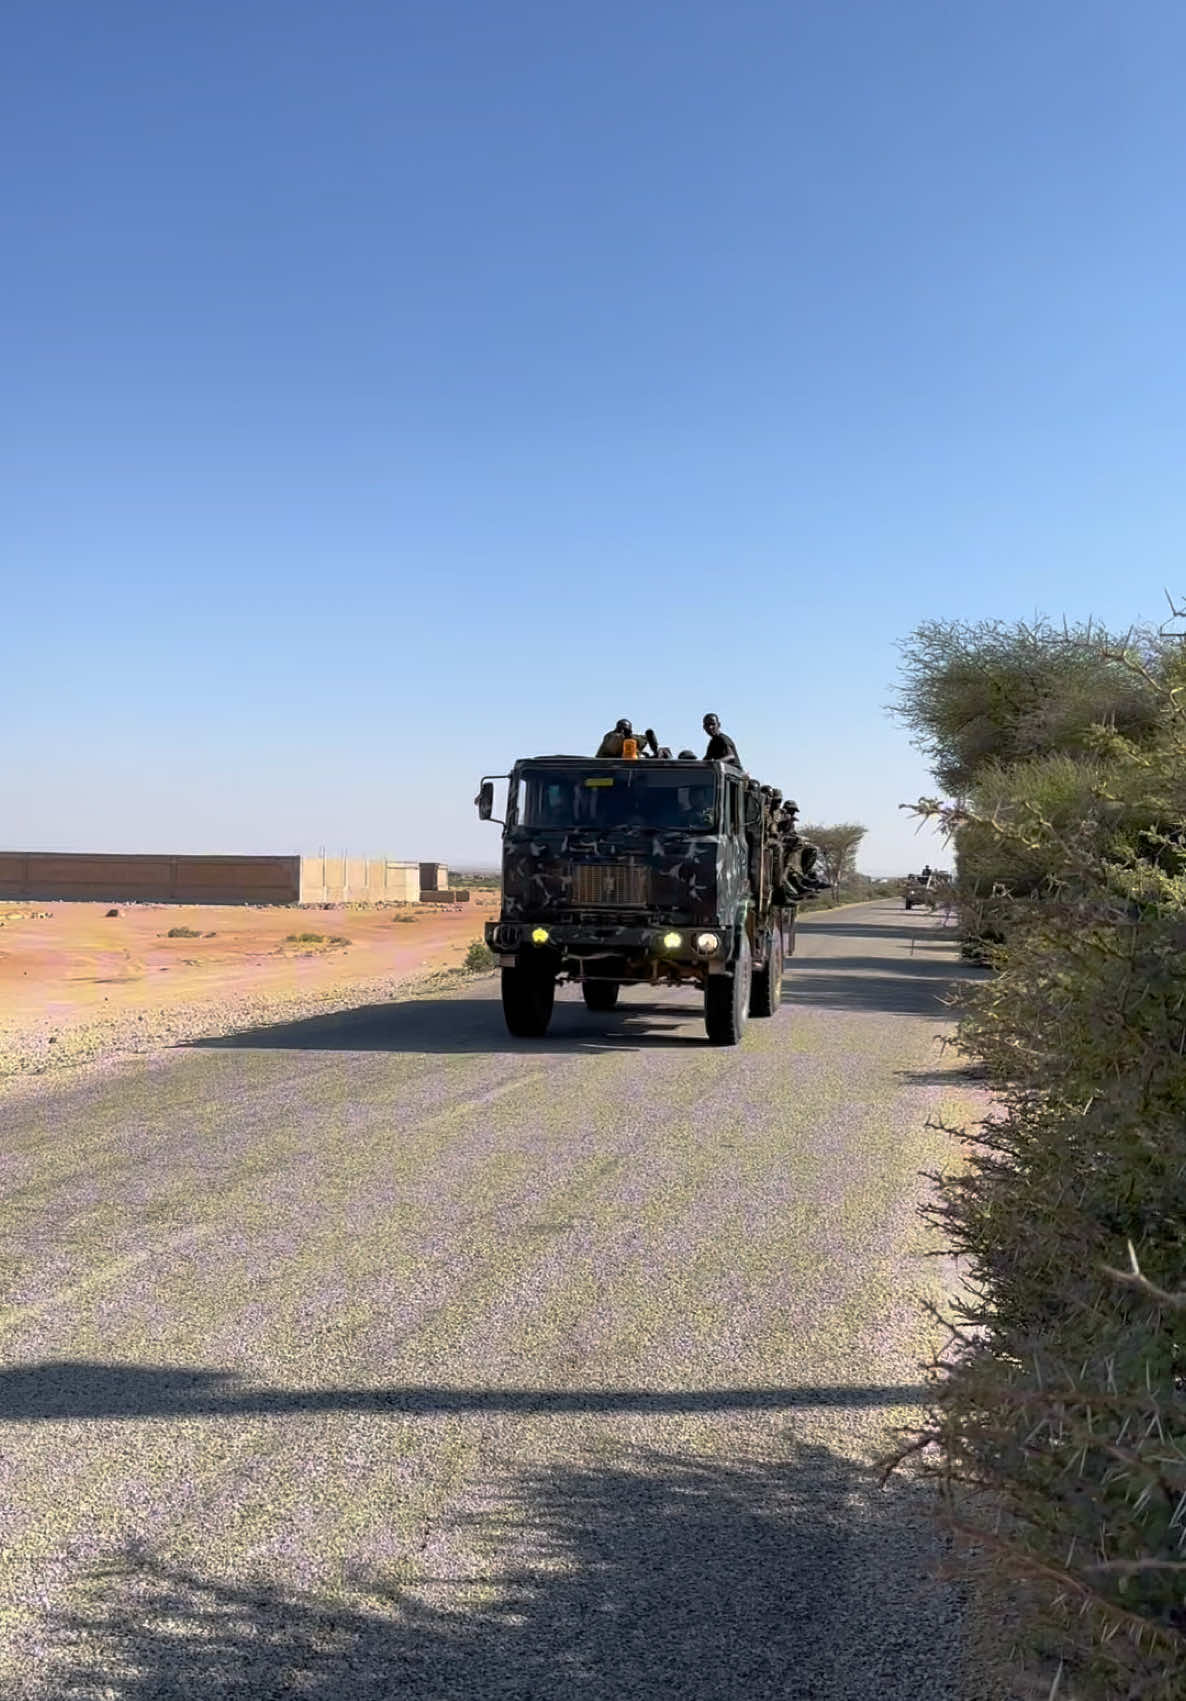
392 390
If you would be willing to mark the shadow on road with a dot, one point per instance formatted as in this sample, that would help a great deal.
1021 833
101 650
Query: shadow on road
958 1075
78 1388
858 929
899 985
461 1025
641 1575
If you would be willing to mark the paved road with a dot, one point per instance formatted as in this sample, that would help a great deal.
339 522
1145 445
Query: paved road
380 1355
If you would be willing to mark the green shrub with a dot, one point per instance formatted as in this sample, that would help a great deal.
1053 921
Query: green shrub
304 938
981 693
183 933
1057 1431
479 957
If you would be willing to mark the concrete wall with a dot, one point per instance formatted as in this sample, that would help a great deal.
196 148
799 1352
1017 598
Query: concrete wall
358 879
44 876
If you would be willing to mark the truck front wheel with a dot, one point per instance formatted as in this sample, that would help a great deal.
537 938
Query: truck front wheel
600 994
527 1000
726 1000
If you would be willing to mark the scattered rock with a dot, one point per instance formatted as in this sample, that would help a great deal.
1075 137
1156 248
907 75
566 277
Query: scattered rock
110 913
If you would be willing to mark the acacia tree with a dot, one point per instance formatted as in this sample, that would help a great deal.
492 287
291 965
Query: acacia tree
979 695
1020 720
839 845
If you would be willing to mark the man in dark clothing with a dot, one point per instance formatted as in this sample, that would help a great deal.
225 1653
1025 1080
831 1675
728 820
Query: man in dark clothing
721 747
800 858
611 744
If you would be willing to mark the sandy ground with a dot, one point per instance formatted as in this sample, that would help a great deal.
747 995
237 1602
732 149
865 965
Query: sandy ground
78 984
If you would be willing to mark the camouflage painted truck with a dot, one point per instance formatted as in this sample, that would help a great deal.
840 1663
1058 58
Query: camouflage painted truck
916 890
624 872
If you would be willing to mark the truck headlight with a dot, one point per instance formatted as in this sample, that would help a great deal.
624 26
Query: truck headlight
707 943
672 941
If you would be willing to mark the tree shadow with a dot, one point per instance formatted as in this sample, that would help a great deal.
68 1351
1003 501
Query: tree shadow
70 1389
864 929
459 1026
901 986
958 1075
918 968
636 1574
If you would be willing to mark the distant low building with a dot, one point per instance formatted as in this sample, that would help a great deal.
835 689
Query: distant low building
111 878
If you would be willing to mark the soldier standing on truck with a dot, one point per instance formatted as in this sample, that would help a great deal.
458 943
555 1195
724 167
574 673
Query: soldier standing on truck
721 747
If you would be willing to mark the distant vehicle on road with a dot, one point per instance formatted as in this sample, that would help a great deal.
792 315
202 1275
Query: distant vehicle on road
917 891
617 872
931 887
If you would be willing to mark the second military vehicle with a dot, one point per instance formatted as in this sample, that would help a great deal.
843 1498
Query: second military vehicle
621 871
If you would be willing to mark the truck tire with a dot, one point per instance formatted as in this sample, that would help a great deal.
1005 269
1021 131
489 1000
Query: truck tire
766 983
726 1000
527 1000
600 994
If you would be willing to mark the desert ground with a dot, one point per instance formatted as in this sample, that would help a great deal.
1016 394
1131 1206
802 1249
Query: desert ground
78 983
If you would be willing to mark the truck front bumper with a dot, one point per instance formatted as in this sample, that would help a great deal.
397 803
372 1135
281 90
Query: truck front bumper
507 939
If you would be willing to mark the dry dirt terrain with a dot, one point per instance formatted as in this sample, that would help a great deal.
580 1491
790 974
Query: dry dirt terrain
376 1354
78 983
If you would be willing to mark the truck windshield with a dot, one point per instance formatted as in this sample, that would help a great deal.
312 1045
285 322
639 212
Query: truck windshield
635 796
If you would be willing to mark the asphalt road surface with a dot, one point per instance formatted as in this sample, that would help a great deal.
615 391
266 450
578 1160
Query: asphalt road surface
380 1355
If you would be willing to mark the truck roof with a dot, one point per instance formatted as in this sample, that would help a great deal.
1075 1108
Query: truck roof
630 762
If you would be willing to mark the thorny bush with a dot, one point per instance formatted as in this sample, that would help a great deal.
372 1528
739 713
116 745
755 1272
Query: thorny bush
1057 1431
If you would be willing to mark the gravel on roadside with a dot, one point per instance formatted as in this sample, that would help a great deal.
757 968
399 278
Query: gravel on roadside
51 1045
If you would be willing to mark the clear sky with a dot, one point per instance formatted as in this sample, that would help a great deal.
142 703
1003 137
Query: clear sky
390 390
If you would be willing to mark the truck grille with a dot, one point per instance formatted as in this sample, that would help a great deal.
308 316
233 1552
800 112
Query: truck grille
614 884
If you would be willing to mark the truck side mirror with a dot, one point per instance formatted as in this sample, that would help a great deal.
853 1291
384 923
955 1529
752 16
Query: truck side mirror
485 800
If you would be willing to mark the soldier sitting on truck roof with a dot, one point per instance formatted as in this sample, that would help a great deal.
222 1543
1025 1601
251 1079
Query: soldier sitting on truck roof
721 747
612 743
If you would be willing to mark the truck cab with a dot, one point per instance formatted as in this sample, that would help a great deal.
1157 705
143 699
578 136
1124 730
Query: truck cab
618 872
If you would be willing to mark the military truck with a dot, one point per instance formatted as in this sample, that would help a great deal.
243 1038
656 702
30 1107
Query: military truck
620 872
916 890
